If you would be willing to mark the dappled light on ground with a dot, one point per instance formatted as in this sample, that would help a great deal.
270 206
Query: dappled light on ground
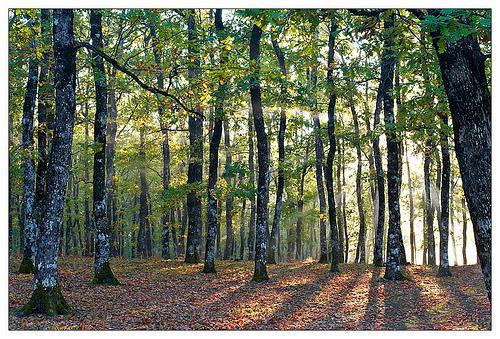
159 294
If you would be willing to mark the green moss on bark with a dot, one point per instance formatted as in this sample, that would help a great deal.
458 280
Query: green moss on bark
26 266
46 301
105 276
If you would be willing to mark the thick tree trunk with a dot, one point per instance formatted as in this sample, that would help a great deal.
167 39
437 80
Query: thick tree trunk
28 206
260 272
47 297
195 169
444 268
463 71
393 269
429 214
360 251
102 269
336 251
210 252
271 258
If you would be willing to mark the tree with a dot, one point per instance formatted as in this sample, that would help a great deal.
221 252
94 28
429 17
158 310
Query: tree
47 297
212 214
195 170
260 271
393 269
281 156
336 251
28 207
102 269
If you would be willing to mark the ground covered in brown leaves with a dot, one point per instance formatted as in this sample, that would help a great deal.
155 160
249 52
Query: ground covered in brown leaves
169 295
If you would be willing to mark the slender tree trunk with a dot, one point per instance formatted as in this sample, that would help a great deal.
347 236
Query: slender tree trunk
413 253
464 232
444 268
47 297
452 218
344 214
110 150
281 158
215 139
88 228
228 249
382 89
429 217
251 170
242 229
340 203
260 272
102 269
393 269
336 252
28 206
69 219
195 170
142 249
300 207
360 252
463 71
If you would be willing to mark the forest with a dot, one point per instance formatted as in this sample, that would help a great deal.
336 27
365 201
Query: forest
177 169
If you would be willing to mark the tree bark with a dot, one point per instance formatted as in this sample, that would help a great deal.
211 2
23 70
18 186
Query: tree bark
336 252
88 228
393 270
195 169
463 71
47 297
300 207
379 232
102 269
429 214
28 206
444 268
260 271
281 157
212 216
228 249
360 251
464 232
142 247
413 249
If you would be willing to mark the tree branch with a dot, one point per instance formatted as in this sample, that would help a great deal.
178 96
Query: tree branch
125 70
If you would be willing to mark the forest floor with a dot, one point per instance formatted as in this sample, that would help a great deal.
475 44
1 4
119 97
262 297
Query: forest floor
168 295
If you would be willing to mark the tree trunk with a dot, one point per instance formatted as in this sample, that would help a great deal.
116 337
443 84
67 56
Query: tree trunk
382 89
413 246
336 252
215 139
251 170
142 249
228 249
300 207
360 251
452 217
102 269
195 169
28 206
340 203
464 232
393 269
69 218
429 214
463 71
260 271
110 150
444 268
281 157
88 228
47 297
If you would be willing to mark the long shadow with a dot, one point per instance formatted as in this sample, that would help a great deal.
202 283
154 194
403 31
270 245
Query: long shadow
371 309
